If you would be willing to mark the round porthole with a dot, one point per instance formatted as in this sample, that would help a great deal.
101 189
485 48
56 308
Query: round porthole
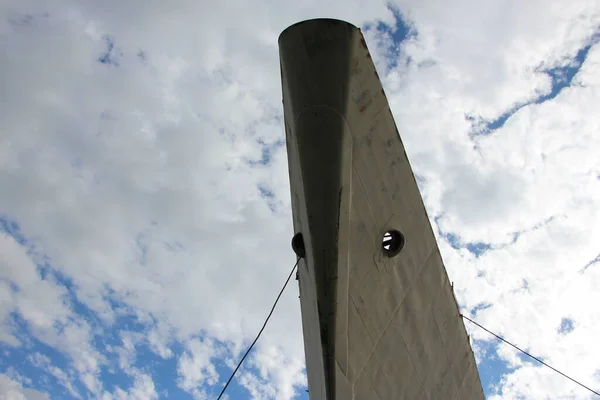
298 245
393 242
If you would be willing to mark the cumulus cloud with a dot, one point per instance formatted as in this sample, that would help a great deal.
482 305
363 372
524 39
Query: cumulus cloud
146 200
142 388
195 367
12 390
44 307
41 361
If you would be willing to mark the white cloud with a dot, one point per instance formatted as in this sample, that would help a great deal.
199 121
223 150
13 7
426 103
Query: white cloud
158 342
43 362
11 390
272 379
17 377
142 388
133 180
196 367
43 305
127 352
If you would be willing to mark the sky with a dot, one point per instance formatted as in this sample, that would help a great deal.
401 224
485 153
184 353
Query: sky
145 211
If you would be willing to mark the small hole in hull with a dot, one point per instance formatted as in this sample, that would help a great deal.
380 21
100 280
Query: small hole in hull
392 243
298 245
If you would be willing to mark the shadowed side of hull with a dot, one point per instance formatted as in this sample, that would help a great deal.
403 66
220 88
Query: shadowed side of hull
378 322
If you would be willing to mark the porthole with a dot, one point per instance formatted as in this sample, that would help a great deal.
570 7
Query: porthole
298 245
392 243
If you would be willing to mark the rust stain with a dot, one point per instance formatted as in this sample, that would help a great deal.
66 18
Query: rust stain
356 67
376 74
364 100
368 55
363 43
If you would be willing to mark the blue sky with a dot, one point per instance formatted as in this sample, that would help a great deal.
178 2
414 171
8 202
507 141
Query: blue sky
146 216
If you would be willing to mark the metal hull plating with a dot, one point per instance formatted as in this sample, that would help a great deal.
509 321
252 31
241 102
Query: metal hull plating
375 327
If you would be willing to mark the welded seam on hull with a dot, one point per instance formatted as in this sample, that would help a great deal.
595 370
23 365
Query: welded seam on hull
345 212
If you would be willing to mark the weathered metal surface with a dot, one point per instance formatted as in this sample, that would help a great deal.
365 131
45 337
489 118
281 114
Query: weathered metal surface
374 327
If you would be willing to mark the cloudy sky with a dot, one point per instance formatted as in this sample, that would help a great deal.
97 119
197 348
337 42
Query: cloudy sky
144 199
